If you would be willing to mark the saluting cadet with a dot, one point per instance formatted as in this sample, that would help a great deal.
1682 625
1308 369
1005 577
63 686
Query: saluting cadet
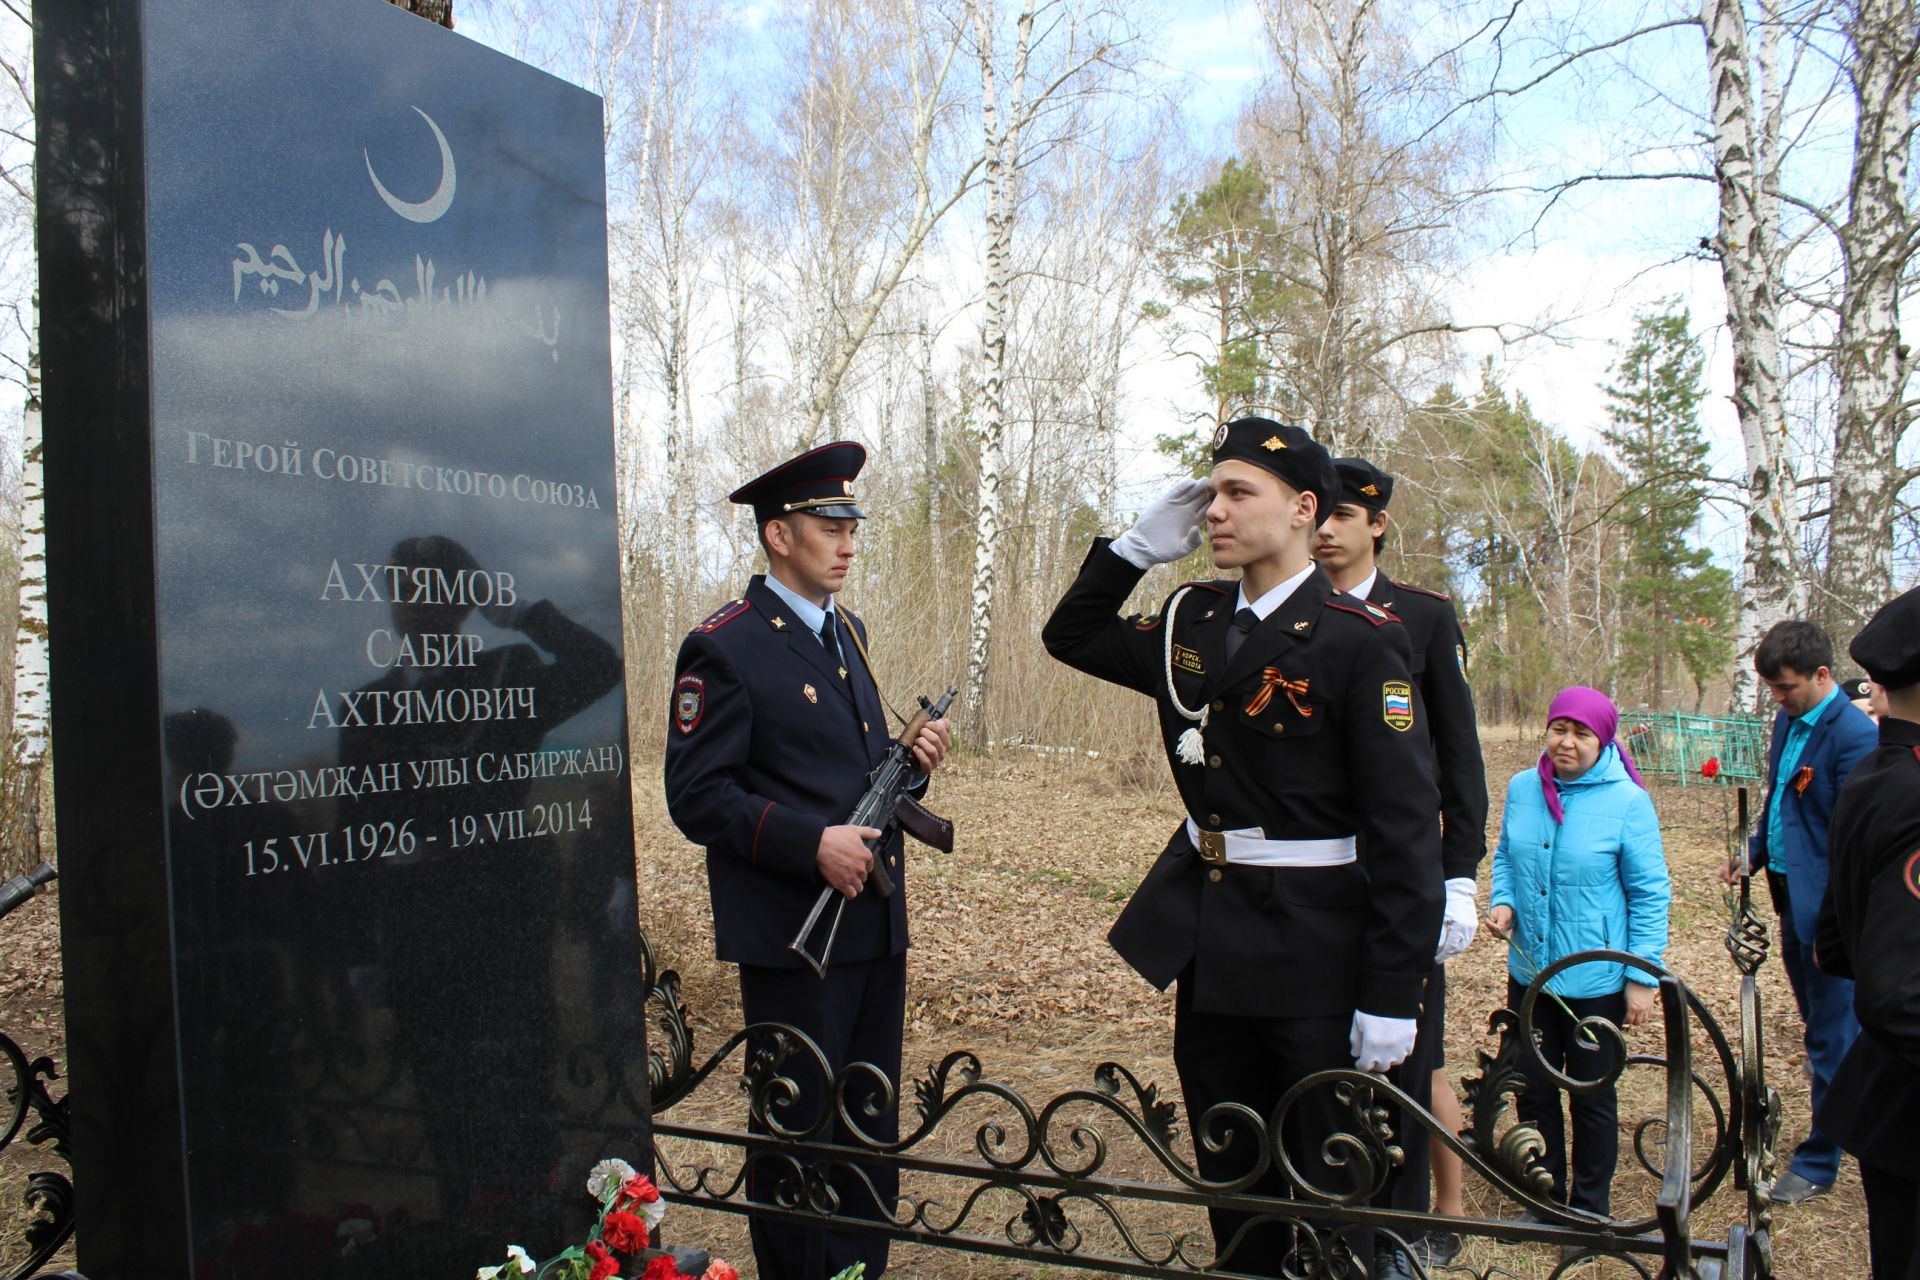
776 723
1347 545
1870 932
1298 904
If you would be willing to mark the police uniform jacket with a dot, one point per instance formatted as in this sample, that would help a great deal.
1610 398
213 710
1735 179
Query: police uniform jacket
1311 734
1870 932
770 740
1439 663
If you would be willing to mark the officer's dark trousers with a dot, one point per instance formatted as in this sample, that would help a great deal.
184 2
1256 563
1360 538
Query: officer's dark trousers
1893 1207
1253 1061
1596 1115
1411 1187
855 1015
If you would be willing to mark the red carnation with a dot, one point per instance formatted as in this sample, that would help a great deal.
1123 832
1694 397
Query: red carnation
640 1189
1711 769
718 1270
662 1268
605 1265
624 1231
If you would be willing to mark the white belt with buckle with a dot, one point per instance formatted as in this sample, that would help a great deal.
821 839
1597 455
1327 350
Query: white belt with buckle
1250 847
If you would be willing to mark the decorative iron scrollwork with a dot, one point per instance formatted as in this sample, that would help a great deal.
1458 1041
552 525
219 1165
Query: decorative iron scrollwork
49 1195
1043 1180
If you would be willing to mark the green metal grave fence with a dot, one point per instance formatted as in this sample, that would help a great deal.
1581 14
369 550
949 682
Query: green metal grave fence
1680 746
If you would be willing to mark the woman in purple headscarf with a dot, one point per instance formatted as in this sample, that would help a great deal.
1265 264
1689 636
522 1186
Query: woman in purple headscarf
1580 867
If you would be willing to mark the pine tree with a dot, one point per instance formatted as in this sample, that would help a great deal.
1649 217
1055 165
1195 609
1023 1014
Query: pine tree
1680 604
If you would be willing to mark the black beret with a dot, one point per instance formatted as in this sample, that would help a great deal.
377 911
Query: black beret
1285 450
1855 689
1363 484
1889 645
819 482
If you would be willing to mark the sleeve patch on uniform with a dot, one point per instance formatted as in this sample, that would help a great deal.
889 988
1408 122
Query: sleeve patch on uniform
1460 656
1912 877
689 702
1396 704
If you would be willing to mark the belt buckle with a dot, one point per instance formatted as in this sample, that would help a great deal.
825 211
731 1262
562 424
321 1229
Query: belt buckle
1213 847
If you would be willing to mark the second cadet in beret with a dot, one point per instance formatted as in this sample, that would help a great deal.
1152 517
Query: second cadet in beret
1889 645
1363 484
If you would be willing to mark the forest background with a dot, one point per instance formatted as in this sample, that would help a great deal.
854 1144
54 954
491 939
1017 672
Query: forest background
1615 290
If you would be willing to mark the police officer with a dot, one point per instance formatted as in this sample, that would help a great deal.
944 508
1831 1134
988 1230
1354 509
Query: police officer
1297 904
1870 932
1347 545
775 724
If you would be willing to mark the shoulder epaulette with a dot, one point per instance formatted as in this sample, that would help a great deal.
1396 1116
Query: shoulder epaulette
722 616
1422 591
1371 612
1218 588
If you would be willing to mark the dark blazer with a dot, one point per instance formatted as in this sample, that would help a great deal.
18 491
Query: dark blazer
1439 662
1332 757
770 741
1841 738
1870 932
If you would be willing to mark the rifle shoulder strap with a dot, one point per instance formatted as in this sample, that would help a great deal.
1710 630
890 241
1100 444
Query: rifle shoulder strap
866 660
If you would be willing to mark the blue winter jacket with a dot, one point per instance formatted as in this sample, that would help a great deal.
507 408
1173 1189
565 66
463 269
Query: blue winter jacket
1598 881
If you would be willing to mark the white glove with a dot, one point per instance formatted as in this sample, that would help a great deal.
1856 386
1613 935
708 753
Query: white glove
1461 922
1378 1043
1170 528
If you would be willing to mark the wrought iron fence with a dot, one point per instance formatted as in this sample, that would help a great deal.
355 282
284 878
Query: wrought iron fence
1045 1182
34 1114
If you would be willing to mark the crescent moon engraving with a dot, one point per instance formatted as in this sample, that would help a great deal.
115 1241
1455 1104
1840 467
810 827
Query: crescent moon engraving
433 206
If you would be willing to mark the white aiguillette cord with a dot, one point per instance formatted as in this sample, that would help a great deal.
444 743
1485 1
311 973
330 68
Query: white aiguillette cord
1192 748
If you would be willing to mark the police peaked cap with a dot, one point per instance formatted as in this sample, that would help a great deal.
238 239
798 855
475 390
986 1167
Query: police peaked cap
1889 645
1363 484
818 482
1285 450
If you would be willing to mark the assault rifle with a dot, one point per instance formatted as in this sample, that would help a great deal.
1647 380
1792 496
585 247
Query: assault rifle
887 806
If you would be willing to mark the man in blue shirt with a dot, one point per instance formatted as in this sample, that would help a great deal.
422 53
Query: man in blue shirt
1818 736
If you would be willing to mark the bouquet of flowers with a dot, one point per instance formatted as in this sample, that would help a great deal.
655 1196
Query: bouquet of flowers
630 1214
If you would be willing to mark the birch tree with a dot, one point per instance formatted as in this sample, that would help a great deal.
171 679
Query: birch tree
1877 244
1020 124
1746 147
29 708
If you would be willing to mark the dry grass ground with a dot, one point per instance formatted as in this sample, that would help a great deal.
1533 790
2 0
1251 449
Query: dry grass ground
1010 961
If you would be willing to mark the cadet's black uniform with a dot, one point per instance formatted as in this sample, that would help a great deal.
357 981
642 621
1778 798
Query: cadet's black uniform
1440 674
771 738
1310 735
1870 932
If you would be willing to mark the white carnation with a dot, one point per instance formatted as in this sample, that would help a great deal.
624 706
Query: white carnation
608 1175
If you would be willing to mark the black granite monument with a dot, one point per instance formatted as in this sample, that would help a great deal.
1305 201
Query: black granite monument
345 831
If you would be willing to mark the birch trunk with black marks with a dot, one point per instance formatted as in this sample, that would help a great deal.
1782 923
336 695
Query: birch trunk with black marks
1002 152
1877 244
1746 140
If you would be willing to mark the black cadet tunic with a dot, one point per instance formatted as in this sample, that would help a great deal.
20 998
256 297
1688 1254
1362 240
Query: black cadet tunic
1439 664
1311 734
1870 932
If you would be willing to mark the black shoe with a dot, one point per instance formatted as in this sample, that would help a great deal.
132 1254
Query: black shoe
1437 1248
1392 1263
1794 1189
